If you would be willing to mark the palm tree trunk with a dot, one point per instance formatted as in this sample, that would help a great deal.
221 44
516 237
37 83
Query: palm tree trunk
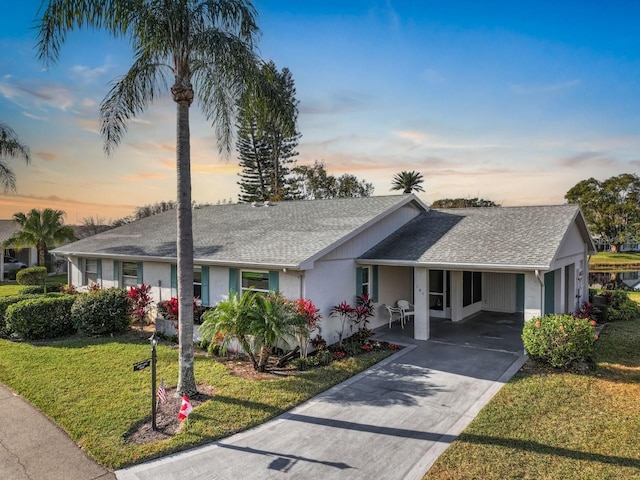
186 376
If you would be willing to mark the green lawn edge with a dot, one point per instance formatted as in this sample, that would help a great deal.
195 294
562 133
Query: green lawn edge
88 388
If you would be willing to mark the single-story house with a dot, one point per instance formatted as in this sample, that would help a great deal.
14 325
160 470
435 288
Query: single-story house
27 255
448 263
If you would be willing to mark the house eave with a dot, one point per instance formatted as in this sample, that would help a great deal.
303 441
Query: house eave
172 260
485 267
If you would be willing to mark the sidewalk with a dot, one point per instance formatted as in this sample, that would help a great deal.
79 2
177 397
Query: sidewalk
32 447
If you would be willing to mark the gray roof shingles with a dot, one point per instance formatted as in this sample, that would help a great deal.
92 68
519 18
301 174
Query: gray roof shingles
500 236
285 233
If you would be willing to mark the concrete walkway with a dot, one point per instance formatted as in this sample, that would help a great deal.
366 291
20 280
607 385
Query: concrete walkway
32 447
392 421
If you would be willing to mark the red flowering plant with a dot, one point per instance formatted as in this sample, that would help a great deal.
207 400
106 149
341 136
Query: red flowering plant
306 310
140 299
169 309
345 312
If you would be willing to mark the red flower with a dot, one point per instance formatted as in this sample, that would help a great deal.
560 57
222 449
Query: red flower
593 323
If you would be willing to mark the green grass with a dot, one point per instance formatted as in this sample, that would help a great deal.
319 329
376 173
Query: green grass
88 387
613 258
10 287
546 425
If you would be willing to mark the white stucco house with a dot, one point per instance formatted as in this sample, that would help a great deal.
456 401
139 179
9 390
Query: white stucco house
448 263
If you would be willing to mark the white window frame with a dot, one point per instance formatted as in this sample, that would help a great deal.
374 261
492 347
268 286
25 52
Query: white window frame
86 272
197 268
365 288
245 289
124 279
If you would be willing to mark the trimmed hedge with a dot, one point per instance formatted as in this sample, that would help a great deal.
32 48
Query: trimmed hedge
32 276
10 300
41 317
102 312
35 289
559 340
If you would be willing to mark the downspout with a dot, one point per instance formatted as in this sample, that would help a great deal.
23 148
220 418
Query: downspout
541 280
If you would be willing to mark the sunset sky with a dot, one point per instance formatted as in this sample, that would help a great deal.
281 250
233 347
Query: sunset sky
498 100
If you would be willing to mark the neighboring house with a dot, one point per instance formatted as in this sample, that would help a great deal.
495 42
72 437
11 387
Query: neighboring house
603 245
27 256
449 263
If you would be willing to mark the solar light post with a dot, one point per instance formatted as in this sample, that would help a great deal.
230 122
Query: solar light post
154 342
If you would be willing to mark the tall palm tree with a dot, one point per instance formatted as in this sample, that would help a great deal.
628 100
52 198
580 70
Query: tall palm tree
204 48
41 229
10 147
408 182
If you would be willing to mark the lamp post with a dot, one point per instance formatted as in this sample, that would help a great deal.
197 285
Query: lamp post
154 342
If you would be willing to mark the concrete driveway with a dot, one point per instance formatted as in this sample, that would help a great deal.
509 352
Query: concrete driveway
392 421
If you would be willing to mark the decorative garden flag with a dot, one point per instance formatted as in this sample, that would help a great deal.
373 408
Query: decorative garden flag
162 393
185 408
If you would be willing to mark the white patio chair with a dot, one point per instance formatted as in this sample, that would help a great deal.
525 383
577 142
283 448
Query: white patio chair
397 312
407 309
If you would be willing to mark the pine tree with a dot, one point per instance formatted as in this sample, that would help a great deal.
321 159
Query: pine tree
268 137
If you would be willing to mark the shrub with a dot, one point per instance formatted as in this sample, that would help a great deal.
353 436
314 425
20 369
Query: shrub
10 300
621 307
559 340
32 276
36 289
41 317
141 301
102 312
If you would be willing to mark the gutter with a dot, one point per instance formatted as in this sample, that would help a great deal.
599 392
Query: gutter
198 261
448 266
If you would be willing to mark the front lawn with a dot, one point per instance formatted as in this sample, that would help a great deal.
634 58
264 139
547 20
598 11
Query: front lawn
551 424
609 258
10 287
87 386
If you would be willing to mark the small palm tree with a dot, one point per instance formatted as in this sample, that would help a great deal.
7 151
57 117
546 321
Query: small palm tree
10 147
192 49
408 182
277 320
232 319
41 229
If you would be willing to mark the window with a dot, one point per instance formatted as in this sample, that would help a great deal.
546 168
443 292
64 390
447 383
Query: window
129 274
471 288
258 281
90 271
197 282
365 281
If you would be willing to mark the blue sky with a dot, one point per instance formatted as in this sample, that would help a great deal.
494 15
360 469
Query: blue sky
511 101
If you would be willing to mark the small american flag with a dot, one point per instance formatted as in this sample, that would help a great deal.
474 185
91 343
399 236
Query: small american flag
162 393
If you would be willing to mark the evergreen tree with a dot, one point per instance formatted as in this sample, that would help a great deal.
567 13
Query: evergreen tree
268 137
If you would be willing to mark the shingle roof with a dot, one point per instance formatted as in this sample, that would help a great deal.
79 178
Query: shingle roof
7 228
500 236
283 234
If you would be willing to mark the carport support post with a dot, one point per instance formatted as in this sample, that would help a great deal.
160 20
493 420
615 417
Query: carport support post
420 303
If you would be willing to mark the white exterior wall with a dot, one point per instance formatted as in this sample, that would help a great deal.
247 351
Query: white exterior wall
499 292
328 284
532 296
421 304
572 253
218 284
373 235
158 276
394 283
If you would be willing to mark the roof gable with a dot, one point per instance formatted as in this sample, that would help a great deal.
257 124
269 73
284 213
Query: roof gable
500 237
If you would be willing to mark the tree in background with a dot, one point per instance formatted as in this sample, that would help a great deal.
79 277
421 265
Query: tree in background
42 230
463 203
10 147
611 207
268 136
154 208
313 183
194 49
408 182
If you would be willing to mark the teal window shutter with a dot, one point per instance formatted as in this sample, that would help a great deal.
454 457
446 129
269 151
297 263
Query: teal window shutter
116 273
204 296
374 283
99 271
358 281
274 281
140 279
233 281
174 280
